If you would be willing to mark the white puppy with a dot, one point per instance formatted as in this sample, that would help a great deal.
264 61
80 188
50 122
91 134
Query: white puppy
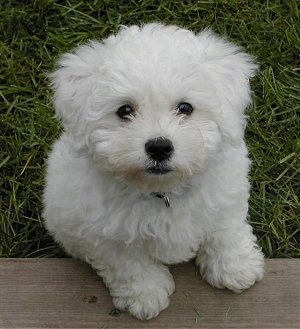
152 168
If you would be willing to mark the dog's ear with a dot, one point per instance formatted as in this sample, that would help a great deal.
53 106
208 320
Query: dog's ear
73 83
230 69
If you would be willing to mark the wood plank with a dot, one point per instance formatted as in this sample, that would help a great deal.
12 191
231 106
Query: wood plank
63 293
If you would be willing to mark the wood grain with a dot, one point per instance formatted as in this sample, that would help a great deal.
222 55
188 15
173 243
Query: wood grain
63 293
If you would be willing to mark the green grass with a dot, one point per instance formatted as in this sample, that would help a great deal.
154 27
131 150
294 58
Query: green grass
34 33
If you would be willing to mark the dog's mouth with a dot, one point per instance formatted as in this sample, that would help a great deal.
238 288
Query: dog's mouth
158 169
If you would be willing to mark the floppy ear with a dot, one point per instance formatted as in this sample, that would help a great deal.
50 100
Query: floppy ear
72 83
230 69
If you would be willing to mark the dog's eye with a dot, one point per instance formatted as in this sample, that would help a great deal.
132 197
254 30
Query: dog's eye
184 108
125 111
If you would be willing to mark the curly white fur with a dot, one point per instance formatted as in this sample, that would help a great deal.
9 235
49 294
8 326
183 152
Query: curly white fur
99 201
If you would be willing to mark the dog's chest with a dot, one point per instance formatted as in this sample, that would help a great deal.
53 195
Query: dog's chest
172 252
170 234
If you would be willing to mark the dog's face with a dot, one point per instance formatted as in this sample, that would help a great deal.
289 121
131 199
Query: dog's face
154 106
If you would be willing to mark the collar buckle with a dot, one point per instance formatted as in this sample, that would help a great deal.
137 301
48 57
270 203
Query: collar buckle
162 195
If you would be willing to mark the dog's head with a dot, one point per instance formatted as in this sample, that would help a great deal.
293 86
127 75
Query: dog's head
154 105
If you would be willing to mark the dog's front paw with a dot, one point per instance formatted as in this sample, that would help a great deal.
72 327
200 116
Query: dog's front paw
144 299
145 306
236 273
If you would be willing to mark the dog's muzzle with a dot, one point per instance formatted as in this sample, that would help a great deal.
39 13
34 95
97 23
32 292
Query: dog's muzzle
159 150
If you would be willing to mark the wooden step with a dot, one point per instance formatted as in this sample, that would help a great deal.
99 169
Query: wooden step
63 293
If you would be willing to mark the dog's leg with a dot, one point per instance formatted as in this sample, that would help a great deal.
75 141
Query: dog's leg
136 282
230 258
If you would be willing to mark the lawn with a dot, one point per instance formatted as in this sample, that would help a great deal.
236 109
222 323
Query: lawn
35 33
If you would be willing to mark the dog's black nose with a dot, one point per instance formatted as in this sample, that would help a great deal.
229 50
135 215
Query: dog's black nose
159 148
